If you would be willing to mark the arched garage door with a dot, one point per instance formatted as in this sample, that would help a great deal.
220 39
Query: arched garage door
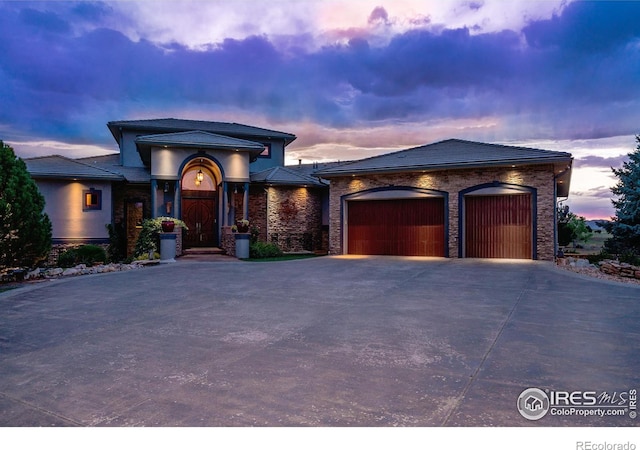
407 227
498 226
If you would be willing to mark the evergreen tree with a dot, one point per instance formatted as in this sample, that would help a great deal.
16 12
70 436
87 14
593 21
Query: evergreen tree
625 226
25 230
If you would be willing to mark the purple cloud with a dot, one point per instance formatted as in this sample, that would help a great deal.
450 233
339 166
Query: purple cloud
65 73
599 161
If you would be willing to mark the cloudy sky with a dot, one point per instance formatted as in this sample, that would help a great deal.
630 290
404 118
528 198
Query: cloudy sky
350 78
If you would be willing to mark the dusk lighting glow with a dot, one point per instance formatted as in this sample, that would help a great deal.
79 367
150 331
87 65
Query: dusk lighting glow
351 79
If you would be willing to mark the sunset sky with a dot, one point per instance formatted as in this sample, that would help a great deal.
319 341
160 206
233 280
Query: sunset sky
350 78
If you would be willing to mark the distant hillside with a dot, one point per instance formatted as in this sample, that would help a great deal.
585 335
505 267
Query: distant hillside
594 224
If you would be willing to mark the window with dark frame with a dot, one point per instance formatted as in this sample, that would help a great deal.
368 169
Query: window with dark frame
266 153
91 200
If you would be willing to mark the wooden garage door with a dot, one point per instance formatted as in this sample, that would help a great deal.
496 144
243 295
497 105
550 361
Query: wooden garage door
498 226
408 227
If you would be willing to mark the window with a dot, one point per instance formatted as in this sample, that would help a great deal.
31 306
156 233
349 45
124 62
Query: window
91 200
266 153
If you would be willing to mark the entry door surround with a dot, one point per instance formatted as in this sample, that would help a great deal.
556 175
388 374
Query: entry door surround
200 212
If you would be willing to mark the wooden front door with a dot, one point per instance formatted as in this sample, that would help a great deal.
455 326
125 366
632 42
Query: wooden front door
199 212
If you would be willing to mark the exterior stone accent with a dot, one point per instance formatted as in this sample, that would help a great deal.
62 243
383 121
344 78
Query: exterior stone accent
294 218
227 241
58 249
289 216
620 269
123 194
258 211
540 177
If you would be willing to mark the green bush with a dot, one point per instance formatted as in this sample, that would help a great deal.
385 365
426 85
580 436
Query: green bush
595 259
117 250
85 254
264 250
67 258
149 238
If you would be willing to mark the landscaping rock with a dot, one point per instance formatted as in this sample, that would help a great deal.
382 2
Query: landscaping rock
34 274
54 272
619 269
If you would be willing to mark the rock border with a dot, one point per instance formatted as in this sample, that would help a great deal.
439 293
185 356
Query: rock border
18 275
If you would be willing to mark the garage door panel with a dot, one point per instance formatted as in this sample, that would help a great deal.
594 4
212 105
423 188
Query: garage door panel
410 227
498 226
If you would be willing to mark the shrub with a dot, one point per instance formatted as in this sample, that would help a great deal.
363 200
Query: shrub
85 254
67 258
117 250
264 250
149 238
25 229
595 259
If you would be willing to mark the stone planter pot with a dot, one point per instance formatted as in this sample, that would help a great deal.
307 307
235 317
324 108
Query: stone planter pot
242 245
167 226
167 247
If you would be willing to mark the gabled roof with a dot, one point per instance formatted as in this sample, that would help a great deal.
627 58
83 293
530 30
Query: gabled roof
200 139
170 125
112 163
284 176
61 167
449 154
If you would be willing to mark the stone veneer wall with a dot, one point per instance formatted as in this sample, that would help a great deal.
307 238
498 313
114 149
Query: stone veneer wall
227 241
121 194
294 218
258 211
454 181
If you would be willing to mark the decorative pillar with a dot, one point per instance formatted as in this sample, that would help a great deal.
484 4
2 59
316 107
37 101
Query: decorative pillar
225 205
177 210
154 198
245 202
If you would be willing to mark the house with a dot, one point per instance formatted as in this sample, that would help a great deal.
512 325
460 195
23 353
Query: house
206 173
453 198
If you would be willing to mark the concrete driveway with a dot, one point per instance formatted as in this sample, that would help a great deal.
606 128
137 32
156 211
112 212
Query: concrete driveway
332 341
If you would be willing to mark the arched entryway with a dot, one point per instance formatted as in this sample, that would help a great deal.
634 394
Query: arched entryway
200 184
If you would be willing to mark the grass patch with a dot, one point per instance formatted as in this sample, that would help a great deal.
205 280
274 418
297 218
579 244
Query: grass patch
283 257
593 247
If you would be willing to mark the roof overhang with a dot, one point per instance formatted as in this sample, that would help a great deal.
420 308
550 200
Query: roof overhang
562 176
200 140
169 125
342 171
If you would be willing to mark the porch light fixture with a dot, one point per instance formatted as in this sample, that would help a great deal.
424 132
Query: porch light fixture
199 175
